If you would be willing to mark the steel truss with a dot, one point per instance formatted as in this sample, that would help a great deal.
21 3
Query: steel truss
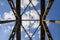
17 28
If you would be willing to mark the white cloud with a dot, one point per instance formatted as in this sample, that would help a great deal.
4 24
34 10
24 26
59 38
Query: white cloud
0 17
35 2
9 16
26 24
24 3
32 14
36 24
25 16
21 29
30 34
0 25
26 36
12 27
47 23
7 29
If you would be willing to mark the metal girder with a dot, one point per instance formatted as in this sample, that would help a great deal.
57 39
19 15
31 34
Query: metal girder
13 32
42 12
47 8
35 31
54 21
16 11
24 28
7 21
26 32
11 3
30 20
25 8
17 28
33 7
44 18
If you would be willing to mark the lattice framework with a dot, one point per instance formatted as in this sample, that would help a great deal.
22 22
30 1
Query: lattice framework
17 12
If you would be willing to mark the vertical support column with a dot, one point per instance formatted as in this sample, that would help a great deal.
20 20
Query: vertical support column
42 12
18 10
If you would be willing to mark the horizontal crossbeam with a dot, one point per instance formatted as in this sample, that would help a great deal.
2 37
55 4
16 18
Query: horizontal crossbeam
7 21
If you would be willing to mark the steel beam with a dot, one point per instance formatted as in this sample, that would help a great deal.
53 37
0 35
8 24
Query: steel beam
42 12
44 18
54 21
7 21
18 10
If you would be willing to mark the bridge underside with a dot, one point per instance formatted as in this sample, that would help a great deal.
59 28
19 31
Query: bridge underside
17 12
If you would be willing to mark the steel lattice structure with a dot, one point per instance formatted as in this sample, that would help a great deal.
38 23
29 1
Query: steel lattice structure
17 12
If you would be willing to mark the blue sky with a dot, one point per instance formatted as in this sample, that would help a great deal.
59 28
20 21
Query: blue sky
5 11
